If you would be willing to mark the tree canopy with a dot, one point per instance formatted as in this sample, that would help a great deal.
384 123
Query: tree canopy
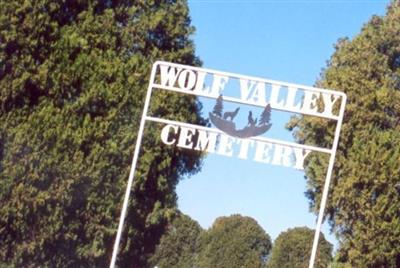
73 76
364 205
292 249
179 245
234 241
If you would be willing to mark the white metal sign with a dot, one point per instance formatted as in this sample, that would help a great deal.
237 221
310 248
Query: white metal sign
249 144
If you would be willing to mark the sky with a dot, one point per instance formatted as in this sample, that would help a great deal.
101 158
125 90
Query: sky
289 41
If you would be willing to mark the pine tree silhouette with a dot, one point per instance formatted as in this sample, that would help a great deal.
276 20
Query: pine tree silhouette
266 115
218 108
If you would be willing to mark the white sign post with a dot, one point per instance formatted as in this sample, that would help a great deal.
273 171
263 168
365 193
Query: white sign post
253 91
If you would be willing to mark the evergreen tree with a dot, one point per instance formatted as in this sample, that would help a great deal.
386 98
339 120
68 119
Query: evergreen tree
292 249
73 76
218 108
234 241
179 244
266 115
364 205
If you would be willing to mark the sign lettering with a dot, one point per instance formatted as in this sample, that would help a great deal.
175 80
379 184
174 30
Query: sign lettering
279 96
260 151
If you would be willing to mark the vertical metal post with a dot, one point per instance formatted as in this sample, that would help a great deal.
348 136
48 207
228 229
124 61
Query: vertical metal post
327 183
133 167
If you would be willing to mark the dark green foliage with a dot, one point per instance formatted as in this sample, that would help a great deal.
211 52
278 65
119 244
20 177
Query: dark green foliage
179 244
292 249
364 205
73 75
234 241
337 264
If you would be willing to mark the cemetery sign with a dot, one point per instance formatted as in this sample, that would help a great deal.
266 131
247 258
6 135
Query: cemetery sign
246 142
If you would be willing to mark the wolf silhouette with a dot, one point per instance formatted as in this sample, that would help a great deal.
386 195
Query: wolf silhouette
251 122
231 115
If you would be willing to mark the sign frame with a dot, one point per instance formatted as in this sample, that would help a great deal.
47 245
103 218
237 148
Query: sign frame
145 117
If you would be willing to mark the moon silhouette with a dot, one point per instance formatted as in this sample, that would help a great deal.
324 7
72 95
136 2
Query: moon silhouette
230 128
